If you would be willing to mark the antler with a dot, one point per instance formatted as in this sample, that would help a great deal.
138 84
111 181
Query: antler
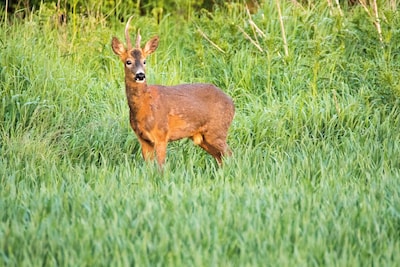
128 39
138 39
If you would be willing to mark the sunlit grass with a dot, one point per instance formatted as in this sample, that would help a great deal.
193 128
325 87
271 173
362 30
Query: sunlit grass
313 180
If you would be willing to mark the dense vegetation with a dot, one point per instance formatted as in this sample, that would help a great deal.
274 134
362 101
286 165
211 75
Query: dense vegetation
314 179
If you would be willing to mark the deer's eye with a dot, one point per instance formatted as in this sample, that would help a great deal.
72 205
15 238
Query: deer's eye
144 62
128 62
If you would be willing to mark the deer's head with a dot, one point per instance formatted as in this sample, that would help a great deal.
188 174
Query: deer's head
134 59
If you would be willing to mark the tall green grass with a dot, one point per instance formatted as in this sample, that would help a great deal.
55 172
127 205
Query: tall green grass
314 179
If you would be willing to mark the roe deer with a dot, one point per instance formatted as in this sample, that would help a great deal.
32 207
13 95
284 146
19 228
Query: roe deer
159 114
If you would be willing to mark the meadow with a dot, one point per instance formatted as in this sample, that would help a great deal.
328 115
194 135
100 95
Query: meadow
315 175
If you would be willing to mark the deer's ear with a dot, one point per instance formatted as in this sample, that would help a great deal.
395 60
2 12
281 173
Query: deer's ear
151 45
117 46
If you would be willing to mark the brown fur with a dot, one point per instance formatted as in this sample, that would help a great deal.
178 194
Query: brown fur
159 114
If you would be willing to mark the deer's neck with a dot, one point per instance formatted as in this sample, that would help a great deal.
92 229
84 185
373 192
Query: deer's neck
135 89
136 94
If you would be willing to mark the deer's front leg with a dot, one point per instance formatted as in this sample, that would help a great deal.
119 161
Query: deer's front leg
147 146
147 149
161 151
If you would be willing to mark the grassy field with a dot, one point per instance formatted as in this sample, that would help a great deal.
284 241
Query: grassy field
315 175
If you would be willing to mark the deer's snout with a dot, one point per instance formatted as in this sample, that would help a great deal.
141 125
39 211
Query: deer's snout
140 77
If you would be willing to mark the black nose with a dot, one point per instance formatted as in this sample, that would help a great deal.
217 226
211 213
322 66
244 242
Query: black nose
140 76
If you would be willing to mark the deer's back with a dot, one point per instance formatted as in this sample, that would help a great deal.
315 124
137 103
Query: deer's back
195 99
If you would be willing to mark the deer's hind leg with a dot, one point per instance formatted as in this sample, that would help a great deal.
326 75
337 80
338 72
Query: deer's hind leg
215 146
